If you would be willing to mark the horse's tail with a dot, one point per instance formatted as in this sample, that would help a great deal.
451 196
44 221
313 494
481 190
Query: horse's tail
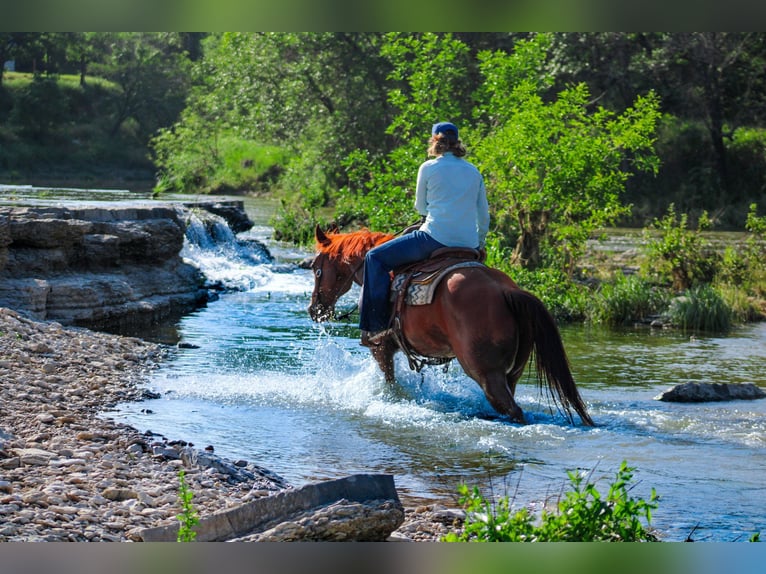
551 362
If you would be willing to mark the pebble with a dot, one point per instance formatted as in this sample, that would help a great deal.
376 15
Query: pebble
69 473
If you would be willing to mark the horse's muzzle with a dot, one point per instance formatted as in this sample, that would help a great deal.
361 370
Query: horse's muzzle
319 312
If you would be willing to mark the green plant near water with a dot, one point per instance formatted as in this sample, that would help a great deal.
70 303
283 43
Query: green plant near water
583 515
626 299
188 517
677 253
701 308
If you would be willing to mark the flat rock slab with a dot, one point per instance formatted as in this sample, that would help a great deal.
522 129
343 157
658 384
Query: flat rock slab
363 507
710 392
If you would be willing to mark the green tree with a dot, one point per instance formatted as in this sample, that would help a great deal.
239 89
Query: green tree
152 72
555 167
318 95
85 48
428 83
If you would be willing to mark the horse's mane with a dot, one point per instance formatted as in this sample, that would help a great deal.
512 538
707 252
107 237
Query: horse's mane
348 246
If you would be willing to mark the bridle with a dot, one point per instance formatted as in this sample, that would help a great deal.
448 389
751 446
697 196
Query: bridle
346 286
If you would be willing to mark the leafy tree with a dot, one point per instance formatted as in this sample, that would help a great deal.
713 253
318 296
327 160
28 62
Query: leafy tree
319 95
84 48
152 72
428 83
719 77
555 167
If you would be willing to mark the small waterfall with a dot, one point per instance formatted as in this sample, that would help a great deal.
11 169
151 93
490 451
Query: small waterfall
230 262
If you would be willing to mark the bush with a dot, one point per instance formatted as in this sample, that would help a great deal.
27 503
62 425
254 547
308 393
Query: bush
39 107
701 308
565 299
626 300
582 516
678 254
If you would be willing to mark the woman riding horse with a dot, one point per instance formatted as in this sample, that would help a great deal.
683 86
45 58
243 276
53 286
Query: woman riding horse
451 197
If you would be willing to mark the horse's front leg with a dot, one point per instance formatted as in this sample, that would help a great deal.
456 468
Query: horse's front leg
384 355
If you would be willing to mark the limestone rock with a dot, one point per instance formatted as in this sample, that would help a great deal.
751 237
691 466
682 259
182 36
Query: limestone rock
355 508
99 267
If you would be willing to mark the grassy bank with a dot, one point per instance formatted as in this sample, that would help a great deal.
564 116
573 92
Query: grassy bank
54 131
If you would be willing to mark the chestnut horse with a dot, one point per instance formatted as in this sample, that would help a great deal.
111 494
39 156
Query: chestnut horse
479 316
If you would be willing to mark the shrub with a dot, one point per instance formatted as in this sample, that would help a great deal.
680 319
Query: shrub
581 516
565 299
625 300
678 253
701 308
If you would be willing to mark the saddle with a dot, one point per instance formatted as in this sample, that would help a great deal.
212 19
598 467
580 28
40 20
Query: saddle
416 283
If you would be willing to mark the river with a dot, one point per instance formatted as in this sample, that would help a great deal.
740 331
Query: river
260 381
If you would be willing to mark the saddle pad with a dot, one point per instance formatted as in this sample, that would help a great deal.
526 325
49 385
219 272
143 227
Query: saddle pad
423 285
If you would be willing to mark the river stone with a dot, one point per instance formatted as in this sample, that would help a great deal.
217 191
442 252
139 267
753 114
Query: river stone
709 392
34 456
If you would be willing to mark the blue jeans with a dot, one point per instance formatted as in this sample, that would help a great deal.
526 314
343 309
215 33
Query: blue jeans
374 309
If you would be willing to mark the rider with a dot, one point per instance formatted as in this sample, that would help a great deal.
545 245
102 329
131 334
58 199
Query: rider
450 196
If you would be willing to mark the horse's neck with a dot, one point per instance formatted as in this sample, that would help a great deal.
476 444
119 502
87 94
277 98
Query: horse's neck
356 267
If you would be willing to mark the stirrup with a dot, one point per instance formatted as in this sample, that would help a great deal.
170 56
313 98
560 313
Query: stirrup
374 339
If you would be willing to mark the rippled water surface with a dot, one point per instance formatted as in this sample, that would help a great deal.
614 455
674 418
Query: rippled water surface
305 400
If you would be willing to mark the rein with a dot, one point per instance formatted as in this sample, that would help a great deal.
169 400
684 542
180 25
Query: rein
348 313
351 311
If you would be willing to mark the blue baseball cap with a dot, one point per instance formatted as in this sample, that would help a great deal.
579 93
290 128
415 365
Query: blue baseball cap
443 128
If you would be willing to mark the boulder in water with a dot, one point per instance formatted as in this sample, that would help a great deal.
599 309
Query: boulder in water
709 392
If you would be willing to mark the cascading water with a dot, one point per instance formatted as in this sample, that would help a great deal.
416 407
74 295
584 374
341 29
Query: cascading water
266 384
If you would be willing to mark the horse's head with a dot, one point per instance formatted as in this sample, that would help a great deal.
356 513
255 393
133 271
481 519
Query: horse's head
333 277
338 263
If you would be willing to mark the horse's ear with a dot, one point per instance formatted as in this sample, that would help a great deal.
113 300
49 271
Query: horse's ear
320 236
333 228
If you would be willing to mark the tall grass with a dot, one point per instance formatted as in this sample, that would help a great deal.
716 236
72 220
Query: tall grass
701 308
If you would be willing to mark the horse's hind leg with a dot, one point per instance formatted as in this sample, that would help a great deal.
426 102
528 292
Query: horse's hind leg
500 396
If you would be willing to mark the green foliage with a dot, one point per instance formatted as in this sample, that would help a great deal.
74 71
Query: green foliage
39 107
583 515
294 222
565 299
428 83
678 254
188 518
701 308
555 166
223 163
626 299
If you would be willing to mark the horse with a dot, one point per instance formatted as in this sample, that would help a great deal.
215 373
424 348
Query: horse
479 316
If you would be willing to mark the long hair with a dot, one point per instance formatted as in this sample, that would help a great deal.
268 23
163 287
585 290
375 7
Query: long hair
442 143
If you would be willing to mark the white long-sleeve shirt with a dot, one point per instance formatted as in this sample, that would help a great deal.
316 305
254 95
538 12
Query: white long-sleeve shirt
450 193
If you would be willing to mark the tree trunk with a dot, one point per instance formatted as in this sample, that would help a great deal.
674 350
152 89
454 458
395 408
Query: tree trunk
715 115
533 229
527 251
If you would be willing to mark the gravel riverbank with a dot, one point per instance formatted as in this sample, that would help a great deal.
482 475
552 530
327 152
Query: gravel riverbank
69 473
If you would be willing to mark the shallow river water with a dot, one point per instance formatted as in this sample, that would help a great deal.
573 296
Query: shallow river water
266 384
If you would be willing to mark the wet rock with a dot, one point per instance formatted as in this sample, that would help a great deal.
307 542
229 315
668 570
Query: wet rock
709 392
